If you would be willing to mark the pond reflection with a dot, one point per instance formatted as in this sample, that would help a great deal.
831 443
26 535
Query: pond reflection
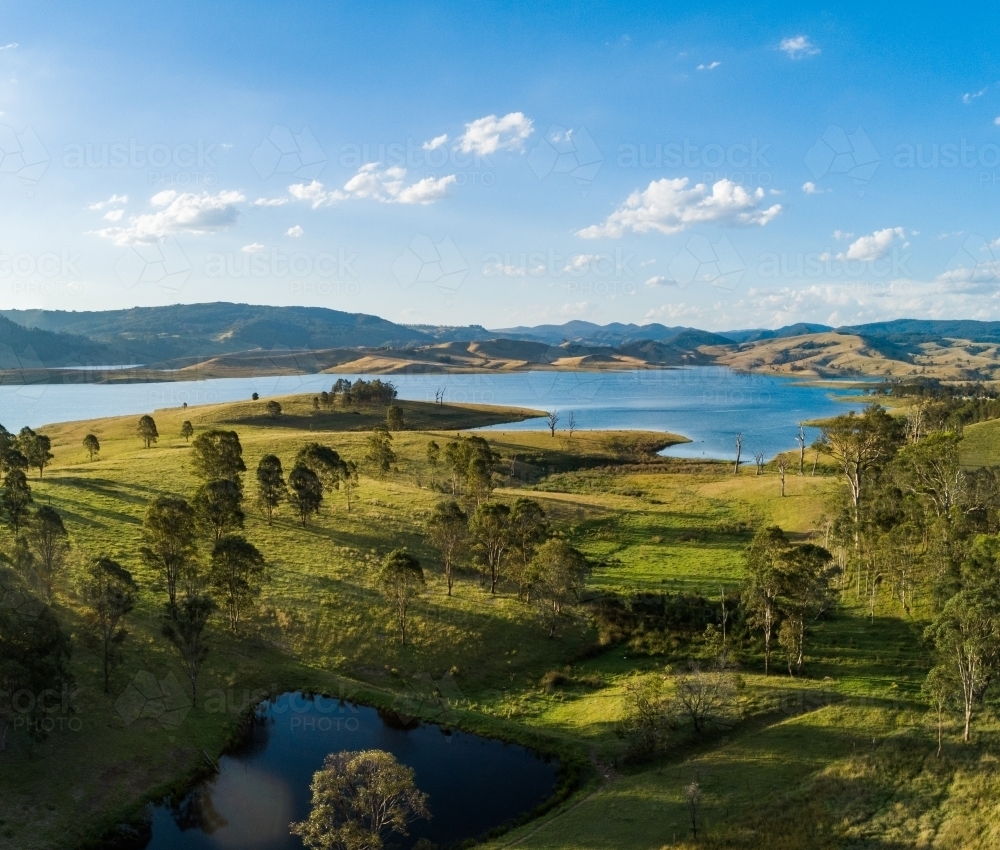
473 783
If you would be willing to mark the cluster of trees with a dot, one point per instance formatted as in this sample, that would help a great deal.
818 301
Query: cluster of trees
359 393
23 451
918 529
511 543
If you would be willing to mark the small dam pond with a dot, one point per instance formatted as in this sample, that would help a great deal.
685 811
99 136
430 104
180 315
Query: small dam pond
473 784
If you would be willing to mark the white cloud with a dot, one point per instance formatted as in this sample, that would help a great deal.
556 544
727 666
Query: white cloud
435 143
798 46
114 215
997 120
711 66
387 186
10 46
491 134
113 201
875 246
842 234
669 206
810 188
252 248
661 280
269 202
181 213
295 231
968 97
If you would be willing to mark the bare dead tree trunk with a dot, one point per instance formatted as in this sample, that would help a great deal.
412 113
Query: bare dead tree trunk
739 451
801 438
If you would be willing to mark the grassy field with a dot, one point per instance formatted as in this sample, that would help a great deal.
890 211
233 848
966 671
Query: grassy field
843 757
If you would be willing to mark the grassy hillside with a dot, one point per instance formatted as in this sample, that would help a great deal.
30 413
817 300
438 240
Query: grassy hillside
843 757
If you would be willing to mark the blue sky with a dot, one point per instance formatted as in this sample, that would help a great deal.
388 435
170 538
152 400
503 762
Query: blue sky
504 164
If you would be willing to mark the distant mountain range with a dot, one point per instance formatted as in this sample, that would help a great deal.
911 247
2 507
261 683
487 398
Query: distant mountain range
179 335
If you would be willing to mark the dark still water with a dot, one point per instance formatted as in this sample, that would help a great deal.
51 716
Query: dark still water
473 783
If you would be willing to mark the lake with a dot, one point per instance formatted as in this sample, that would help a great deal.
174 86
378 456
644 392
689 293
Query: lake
706 404
473 783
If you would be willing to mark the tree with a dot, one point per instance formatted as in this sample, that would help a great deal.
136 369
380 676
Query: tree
271 487
561 571
861 445
800 438
187 430
379 454
108 591
218 507
528 529
401 579
35 448
433 454
184 626
647 719
273 409
348 480
394 418
358 800
448 530
704 695
218 454
763 583
306 491
739 451
34 658
13 459
967 637
692 798
932 470
782 463
490 529
324 461
169 527
92 445
806 573
146 429
472 461
15 498
237 575
552 420
49 543
939 690
571 424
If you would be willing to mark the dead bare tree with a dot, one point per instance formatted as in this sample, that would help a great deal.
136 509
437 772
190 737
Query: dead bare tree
552 420
782 469
692 797
571 423
800 438
758 459
739 451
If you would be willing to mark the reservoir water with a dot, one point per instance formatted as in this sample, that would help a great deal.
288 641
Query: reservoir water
709 405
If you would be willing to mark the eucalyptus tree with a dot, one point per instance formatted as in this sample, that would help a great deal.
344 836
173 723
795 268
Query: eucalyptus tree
146 429
109 593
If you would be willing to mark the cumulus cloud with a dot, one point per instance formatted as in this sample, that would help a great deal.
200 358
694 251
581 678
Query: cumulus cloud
968 97
113 201
811 188
269 202
295 231
661 280
185 212
9 46
711 66
435 143
371 182
997 120
252 248
669 206
491 134
875 245
840 235
114 215
798 46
